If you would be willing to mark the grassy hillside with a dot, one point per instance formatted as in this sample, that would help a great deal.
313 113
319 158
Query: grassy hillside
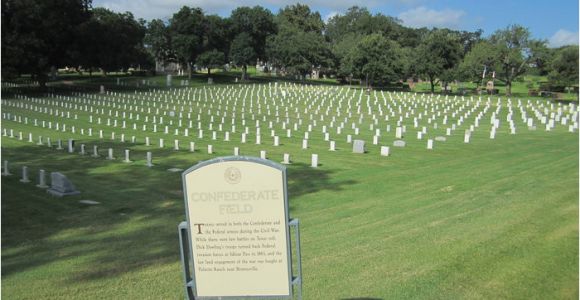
492 219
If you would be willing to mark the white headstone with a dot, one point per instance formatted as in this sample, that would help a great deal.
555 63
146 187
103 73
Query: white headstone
6 172
430 144
384 151
24 175
358 146
286 160
149 159
42 179
314 161
127 159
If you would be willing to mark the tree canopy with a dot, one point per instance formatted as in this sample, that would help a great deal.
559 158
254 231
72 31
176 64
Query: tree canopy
374 49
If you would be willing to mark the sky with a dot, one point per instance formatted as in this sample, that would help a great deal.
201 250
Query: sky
554 21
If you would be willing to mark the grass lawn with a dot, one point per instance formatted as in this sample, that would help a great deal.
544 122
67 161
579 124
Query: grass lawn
492 219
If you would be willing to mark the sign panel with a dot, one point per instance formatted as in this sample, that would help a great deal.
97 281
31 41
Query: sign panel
237 212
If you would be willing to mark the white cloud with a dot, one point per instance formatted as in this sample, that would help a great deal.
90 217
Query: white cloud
563 37
425 17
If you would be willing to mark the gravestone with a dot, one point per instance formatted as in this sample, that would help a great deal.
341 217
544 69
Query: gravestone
440 138
61 186
358 146
384 151
89 202
127 158
6 172
314 161
399 143
149 159
286 160
42 180
25 175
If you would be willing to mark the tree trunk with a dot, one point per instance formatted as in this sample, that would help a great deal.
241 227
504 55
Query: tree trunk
244 72
42 79
189 70
432 81
208 71
367 80
508 88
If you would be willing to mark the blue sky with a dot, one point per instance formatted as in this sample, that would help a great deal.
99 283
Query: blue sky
554 21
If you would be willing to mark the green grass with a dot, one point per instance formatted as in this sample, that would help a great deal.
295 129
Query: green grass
493 219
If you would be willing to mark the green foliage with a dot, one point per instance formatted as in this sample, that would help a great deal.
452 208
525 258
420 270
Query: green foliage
112 41
515 50
300 17
242 52
360 21
299 45
257 22
374 58
211 59
158 41
482 56
217 34
437 56
564 66
186 28
38 35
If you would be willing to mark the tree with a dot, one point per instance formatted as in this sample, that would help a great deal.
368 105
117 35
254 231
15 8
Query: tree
250 28
482 56
341 50
564 67
158 41
437 56
299 45
210 59
515 51
242 52
216 34
375 58
112 41
186 29
38 35
301 18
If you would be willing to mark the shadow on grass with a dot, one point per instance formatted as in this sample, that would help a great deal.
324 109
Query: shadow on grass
134 227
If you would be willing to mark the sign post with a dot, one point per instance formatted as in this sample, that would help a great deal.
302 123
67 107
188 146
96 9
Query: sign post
235 243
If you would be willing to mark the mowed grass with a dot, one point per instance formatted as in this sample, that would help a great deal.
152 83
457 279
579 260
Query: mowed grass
493 219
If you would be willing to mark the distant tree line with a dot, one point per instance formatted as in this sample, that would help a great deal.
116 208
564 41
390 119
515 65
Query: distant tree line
371 49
